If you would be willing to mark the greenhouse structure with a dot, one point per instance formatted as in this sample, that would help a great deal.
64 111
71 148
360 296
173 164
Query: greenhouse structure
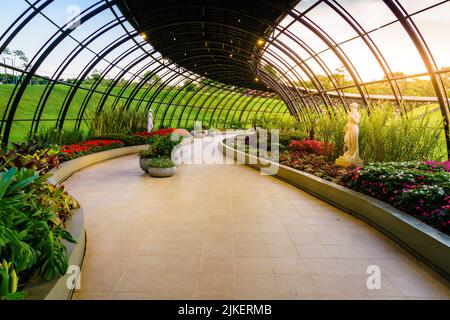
224 150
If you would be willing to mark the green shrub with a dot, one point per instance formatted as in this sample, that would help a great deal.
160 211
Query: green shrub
330 128
269 122
385 135
164 145
285 137
148 153
162 163
388 136
123 121
160 146
32 215
55 136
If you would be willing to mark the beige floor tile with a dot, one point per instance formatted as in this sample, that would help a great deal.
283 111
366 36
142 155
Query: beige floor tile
295 285
253 265
241 238
304 238
336 285
213 297
218 250
250 250
312 251
354 266
276 238
323 266
345 251
218 265
99 281
176 283
226 232
217 284
284 250
148 263
182 264
425 286
288 266
134 282
295 229
272 228
262 285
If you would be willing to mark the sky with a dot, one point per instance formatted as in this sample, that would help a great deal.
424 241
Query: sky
393 42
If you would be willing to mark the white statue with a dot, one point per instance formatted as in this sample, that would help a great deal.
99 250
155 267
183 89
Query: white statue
351 152
150 121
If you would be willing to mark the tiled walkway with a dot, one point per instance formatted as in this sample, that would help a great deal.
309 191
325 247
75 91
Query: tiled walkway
226 232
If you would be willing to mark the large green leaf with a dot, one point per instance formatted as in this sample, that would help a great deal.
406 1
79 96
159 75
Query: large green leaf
6 180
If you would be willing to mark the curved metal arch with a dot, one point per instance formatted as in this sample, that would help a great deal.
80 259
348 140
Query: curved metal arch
14 102
250 107
356 26
218 89
272 62
251 101
285 91
87 70
205 110
280 102
59 71
428 60
217 99
232 94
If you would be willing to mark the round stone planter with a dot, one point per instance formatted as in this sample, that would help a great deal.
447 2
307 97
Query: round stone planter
144 163
162 172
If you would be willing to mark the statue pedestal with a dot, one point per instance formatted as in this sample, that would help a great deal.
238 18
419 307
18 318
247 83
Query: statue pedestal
344 162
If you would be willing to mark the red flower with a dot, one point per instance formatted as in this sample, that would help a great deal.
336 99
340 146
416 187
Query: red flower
311 146
88 146
161 132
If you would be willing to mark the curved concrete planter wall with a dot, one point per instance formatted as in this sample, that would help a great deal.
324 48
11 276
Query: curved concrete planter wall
58 289
427 243
68 168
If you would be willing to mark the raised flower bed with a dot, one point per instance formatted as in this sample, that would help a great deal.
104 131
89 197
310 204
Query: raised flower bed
77 150
34 215
421 189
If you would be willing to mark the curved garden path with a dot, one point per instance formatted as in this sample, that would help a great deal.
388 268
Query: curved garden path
226 232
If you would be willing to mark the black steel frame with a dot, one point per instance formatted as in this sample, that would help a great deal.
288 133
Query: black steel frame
289 92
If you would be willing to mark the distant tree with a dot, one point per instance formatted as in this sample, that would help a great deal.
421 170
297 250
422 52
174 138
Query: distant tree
95 75
340 77
6 51
19 54
395 74
153 79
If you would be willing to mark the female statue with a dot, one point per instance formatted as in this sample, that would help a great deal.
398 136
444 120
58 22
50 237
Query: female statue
351 152
150 121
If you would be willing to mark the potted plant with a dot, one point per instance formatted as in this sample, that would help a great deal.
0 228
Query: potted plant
159 147
161 167
145 156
